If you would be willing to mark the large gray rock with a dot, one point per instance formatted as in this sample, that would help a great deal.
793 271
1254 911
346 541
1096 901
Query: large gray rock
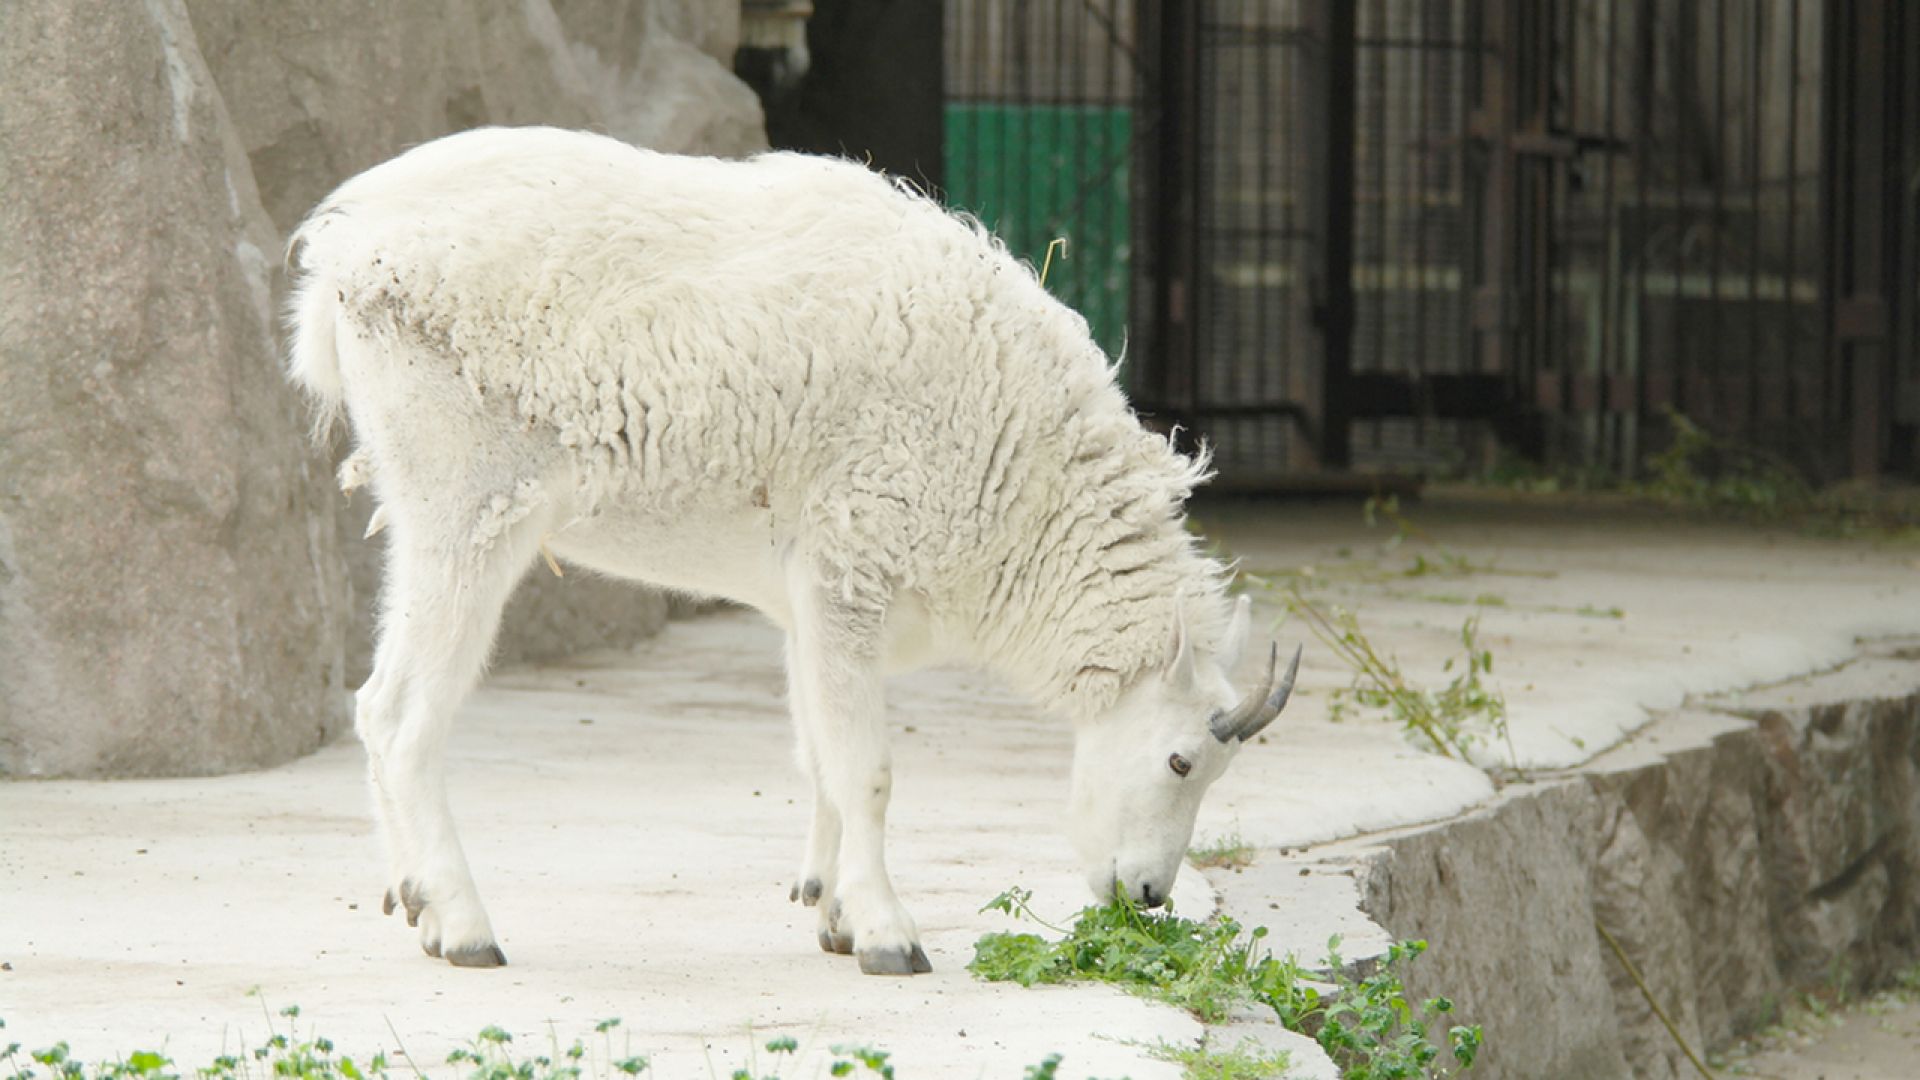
321 90
172 596
1504 899
180 589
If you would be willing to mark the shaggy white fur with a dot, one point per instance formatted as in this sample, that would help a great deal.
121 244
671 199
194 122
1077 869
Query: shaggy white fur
785 381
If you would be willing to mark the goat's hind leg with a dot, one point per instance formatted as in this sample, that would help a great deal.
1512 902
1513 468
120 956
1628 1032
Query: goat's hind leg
819 868
440 608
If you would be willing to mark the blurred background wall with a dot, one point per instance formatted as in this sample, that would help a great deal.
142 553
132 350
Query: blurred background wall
182 589
1347 243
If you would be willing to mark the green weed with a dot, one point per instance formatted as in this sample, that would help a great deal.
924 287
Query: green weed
1443 561
1449 719
1206 968
490 1055
1457 600
1701 471
1367 1025
1515 473
1375 1033
1722 477
1246 1060
1444 564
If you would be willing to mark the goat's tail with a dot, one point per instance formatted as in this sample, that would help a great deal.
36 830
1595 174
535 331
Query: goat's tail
315 359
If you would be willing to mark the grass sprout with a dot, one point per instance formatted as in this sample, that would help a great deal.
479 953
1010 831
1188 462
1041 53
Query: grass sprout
1228 852
1245 1060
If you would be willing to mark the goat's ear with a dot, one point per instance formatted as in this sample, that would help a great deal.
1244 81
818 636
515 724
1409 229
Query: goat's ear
1236 636
1180 672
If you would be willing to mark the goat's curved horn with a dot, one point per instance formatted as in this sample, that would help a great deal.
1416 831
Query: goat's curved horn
1257 710
1226 726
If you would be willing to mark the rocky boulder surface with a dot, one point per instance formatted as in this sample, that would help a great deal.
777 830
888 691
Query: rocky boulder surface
181 589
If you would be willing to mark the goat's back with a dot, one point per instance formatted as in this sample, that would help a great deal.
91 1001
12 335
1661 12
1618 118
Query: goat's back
606 289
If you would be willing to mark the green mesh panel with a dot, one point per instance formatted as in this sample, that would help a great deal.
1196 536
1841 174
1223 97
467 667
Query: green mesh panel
1035 172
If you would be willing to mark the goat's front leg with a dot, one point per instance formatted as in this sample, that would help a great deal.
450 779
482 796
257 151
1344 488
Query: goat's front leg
820 867
835 675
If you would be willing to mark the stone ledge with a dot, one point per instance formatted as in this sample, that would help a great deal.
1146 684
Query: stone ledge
1738 849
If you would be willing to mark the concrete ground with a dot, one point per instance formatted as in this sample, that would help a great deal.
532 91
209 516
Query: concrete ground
1879 1040
634 819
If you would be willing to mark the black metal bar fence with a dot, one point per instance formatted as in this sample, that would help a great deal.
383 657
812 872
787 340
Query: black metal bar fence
1339 235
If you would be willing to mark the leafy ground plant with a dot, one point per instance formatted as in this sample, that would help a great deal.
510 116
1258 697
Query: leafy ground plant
1366 1024
1206 968
1377 1034
490 1055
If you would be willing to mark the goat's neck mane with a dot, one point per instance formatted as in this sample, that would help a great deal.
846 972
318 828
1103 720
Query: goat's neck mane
1086 606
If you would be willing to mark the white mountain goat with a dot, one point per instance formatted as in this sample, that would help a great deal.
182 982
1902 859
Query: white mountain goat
788 383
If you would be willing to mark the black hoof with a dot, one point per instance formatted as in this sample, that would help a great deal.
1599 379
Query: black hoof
431 948
810 892
793 895
413 900
836 943
894 961
386 903
478 956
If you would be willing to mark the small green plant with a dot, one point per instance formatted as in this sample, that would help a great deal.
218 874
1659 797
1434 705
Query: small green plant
1444 561
1368 1026
1376 1034
1228 852
1699 470
1048 1069
1449 719
1456 599
850 1057
1246 1060
1906 983
1443 564
490 1055
1519 474
1377 508
1206 968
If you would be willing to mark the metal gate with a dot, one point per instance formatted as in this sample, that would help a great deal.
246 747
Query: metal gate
1331 234
1401 233
1710 222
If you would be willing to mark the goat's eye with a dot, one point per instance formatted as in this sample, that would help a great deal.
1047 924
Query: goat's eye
1180 766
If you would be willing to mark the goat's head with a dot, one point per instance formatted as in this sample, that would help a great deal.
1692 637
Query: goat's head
1141 768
